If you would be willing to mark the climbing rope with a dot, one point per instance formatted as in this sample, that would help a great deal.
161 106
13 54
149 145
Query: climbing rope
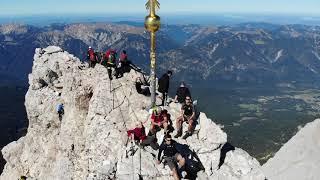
115 98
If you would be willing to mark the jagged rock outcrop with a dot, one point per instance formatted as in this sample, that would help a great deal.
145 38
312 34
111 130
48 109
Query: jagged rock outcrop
89 141
299 158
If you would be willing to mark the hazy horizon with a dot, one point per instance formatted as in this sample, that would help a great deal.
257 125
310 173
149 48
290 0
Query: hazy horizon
17 7
166 18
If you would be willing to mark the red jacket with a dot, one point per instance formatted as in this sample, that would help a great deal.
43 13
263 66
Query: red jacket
139 133
159 118
91 55
109 52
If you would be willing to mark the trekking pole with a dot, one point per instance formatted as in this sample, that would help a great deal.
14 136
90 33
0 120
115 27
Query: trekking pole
132 160
140 175
126 147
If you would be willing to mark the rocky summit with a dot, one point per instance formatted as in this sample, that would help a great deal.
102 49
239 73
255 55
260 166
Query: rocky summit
299 157
89 142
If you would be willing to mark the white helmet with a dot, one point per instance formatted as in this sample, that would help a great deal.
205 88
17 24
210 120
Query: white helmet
89 47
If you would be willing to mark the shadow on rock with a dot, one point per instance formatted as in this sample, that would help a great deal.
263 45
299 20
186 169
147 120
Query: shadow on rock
225 148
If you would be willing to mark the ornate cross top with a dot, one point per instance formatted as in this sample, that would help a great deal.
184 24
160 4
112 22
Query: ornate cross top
152 5
152 21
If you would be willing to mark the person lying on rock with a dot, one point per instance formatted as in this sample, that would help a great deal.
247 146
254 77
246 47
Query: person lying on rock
138 134
159 119
171 156
141 88
188 116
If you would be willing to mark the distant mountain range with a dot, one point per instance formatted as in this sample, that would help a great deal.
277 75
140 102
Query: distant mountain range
249 53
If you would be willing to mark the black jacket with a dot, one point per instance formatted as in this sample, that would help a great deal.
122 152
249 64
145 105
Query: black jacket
182 93
168 150
164 83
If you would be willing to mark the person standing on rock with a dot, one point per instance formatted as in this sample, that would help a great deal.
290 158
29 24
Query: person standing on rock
187 115
138 134
91 57
171 156
164 83
109 61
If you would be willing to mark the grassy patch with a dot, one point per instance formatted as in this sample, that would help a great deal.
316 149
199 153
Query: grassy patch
250 107
259 42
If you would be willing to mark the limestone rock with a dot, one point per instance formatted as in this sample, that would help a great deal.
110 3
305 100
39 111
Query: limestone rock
89 141
299 158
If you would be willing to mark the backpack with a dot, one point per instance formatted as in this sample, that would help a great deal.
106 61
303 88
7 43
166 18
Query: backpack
112 57
60 107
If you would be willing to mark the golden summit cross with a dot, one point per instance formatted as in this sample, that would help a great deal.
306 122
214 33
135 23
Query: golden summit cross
152 24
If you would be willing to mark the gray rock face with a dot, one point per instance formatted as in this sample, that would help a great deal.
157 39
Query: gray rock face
299 158
89 141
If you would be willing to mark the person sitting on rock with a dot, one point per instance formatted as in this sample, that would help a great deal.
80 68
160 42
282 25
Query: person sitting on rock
159 119
142 88
60 110
182 93
171 156
187 115
138 134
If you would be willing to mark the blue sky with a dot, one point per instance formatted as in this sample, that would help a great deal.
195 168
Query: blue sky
126 7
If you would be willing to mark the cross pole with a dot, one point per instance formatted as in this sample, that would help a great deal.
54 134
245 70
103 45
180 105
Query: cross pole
152 24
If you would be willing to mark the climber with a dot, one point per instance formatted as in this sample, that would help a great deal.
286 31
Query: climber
109 61
159 119
142 88
138 134
182 93
163 83
171 156
99 56
91 57
125 65
60 110
188 115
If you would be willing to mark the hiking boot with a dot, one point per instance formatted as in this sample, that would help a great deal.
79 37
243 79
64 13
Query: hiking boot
178 134
187 135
